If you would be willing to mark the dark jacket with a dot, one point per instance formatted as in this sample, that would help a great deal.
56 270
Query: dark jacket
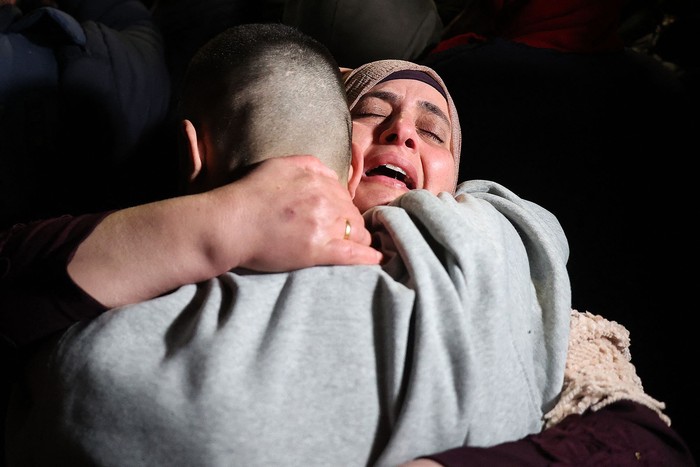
82 91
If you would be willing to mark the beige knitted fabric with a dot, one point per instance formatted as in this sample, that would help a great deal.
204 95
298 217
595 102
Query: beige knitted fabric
598 370
361 79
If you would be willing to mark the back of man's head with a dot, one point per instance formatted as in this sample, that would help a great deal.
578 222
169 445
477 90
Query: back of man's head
266 90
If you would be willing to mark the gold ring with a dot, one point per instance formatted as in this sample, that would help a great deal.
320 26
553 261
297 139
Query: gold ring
348 229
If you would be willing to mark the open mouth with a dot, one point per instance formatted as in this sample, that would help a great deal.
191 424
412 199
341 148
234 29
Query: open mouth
392 171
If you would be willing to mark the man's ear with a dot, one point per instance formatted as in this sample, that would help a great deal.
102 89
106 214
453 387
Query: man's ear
357 165
195 153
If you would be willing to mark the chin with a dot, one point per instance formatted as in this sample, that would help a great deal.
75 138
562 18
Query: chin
365 201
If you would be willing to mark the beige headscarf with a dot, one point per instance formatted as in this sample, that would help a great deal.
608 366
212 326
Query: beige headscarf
361 79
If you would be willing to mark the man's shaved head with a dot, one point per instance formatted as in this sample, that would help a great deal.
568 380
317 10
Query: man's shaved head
264 90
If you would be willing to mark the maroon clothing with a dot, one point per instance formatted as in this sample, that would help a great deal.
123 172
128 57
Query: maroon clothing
622 434
37 297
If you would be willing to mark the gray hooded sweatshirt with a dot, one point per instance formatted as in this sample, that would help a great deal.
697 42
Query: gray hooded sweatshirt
459 338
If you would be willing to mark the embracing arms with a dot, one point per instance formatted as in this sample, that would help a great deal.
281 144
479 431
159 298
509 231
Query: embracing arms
142 252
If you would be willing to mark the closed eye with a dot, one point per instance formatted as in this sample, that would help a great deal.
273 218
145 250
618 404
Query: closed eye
360 115
432 136
371 107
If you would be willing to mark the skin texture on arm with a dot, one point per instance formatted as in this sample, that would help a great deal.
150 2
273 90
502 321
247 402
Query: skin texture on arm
281 226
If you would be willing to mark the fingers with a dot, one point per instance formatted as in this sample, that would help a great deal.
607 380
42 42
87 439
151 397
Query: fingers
354 246
352 228
344 252
308 220
312 164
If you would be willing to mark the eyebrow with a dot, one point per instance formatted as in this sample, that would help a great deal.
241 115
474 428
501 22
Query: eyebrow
394 98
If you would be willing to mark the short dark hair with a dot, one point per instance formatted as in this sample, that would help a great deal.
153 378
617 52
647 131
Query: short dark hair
268 89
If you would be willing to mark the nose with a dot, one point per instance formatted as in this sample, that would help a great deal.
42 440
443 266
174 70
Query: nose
399 131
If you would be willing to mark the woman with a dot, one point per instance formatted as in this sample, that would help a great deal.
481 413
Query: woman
380 123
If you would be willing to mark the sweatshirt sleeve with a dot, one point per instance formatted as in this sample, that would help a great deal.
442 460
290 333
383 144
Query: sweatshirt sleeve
37 296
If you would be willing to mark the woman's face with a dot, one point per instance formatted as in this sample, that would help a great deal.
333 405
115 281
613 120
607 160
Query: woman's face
402 131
